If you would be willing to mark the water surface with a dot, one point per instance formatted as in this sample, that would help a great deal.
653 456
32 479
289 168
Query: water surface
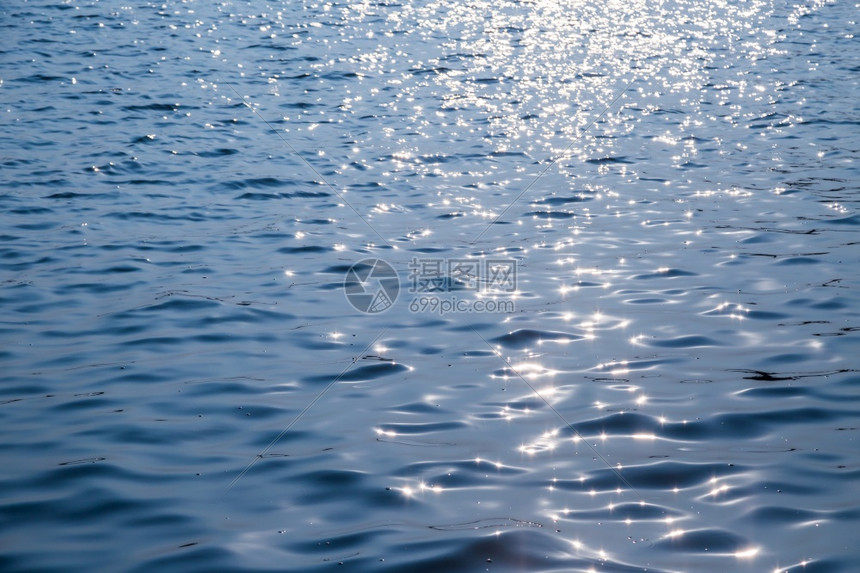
184 385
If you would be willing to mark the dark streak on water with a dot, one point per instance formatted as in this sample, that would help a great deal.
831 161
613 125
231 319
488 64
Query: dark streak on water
171 279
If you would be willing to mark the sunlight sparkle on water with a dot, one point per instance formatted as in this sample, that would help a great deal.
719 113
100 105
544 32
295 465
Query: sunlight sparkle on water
747 553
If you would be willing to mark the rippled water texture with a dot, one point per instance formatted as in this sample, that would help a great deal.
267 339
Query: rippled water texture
185 387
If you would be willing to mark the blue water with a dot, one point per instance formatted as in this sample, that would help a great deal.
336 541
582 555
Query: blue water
184 385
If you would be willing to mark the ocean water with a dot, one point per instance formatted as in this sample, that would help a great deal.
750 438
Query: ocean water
668 378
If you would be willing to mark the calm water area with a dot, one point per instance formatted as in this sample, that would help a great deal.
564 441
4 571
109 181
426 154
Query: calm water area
429 286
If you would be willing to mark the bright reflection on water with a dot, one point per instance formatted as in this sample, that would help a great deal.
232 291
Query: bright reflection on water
185 385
